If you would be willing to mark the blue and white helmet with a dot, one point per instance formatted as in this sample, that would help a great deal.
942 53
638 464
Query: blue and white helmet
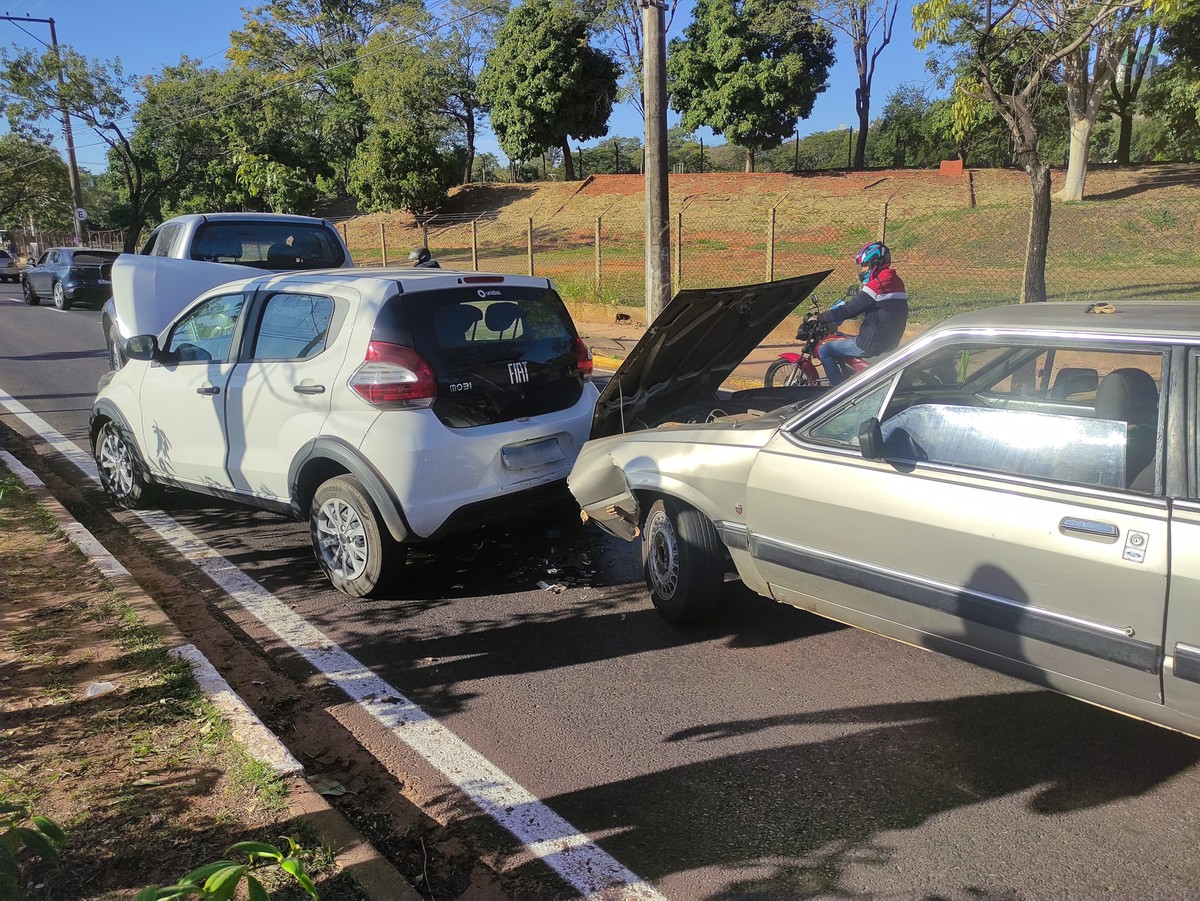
874 256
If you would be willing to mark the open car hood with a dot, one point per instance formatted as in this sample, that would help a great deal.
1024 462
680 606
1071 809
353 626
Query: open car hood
148 292
693 346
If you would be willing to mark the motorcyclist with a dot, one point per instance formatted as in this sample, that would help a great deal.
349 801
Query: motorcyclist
883 304
421 258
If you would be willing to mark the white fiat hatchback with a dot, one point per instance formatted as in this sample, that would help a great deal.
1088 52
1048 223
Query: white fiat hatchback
386 407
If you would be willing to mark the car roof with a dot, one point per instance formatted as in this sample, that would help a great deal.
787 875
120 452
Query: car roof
1157 318
244 217
409 279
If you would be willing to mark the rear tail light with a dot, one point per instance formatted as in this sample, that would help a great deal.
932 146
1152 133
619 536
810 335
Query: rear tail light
394 377
583 359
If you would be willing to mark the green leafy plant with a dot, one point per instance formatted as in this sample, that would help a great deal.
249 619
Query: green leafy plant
220 880
20 831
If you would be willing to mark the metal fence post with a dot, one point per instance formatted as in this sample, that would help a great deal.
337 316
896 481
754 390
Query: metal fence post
598 271
474 245
679 251
424 234
345 235
383 244
883 224
771 246
530 245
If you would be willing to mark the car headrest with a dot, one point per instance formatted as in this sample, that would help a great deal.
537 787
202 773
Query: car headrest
453 322
1127 395
500 316
212 248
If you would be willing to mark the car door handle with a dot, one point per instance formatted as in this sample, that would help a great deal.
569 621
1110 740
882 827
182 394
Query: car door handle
1089 528
309 389
209 390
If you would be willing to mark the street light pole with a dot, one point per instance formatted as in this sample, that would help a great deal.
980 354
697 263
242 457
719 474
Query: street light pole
658 218
68 138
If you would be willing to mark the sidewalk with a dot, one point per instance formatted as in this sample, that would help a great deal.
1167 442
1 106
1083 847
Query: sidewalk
372 875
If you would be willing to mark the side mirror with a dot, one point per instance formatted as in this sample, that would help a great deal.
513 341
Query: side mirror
870 439
142 347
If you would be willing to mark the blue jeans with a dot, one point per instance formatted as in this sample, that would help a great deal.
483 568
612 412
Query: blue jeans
832 351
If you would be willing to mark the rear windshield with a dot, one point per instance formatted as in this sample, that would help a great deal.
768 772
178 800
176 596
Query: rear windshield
269 245
94 257
500 352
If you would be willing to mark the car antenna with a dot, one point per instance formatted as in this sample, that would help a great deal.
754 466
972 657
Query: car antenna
621 397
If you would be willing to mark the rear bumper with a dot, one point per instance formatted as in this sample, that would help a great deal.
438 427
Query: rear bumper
96 294
495 509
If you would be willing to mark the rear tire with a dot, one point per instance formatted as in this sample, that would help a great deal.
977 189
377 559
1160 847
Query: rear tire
122 474
60 297
782 374
30 295
352 545
683 560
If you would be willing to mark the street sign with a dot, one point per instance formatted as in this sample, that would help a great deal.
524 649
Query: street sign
80 213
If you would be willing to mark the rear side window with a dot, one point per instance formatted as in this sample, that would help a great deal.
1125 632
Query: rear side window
500 353
162 241
278 246
293 327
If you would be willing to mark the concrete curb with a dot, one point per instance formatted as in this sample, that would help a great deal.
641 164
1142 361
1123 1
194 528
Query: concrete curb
377 877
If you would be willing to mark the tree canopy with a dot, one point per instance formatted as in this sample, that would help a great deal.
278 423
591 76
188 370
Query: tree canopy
749 70
544 82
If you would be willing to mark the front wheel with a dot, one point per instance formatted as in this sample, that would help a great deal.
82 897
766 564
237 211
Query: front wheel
683 561
120 468
782 374
351 543
31 297
60 297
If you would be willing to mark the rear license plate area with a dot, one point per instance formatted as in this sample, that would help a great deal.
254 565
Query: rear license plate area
532 455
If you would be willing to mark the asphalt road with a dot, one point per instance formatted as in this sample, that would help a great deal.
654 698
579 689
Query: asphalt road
768 753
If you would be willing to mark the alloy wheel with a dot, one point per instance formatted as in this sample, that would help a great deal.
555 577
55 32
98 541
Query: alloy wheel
114 459
341 538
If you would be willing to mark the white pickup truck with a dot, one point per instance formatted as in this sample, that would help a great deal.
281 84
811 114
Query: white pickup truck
187 255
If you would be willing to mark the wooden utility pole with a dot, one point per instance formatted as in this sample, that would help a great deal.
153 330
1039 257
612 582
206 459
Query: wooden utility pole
80 215
658 216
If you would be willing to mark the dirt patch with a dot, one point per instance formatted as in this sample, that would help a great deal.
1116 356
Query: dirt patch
109 737
443 861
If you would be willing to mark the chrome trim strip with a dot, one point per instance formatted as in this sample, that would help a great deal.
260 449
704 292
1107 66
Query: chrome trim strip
734 534
1105 642
1186 663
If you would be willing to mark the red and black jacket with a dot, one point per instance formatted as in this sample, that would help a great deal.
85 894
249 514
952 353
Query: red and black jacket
883 305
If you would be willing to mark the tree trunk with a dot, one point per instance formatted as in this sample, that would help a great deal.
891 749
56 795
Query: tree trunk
470 124
1125 140
1034 288
568 163
1081 139
749 159
860 143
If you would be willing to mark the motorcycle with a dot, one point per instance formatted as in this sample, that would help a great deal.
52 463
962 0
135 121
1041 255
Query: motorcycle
794 369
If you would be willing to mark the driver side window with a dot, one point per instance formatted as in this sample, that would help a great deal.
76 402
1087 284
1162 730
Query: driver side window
206 333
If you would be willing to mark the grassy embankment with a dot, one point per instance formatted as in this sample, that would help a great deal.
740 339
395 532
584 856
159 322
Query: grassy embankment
958 241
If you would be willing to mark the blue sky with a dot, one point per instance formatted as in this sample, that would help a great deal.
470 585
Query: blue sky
149 34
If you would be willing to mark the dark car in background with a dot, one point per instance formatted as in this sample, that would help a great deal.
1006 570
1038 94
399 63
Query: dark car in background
69 275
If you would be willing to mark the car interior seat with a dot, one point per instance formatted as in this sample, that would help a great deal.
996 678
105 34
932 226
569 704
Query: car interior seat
281 254
308 249
217 249
455 325
502 316
1074 380
1131 396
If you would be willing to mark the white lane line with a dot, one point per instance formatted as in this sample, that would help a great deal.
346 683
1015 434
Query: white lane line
544 834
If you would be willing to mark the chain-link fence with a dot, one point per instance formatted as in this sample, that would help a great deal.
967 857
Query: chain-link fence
30 244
